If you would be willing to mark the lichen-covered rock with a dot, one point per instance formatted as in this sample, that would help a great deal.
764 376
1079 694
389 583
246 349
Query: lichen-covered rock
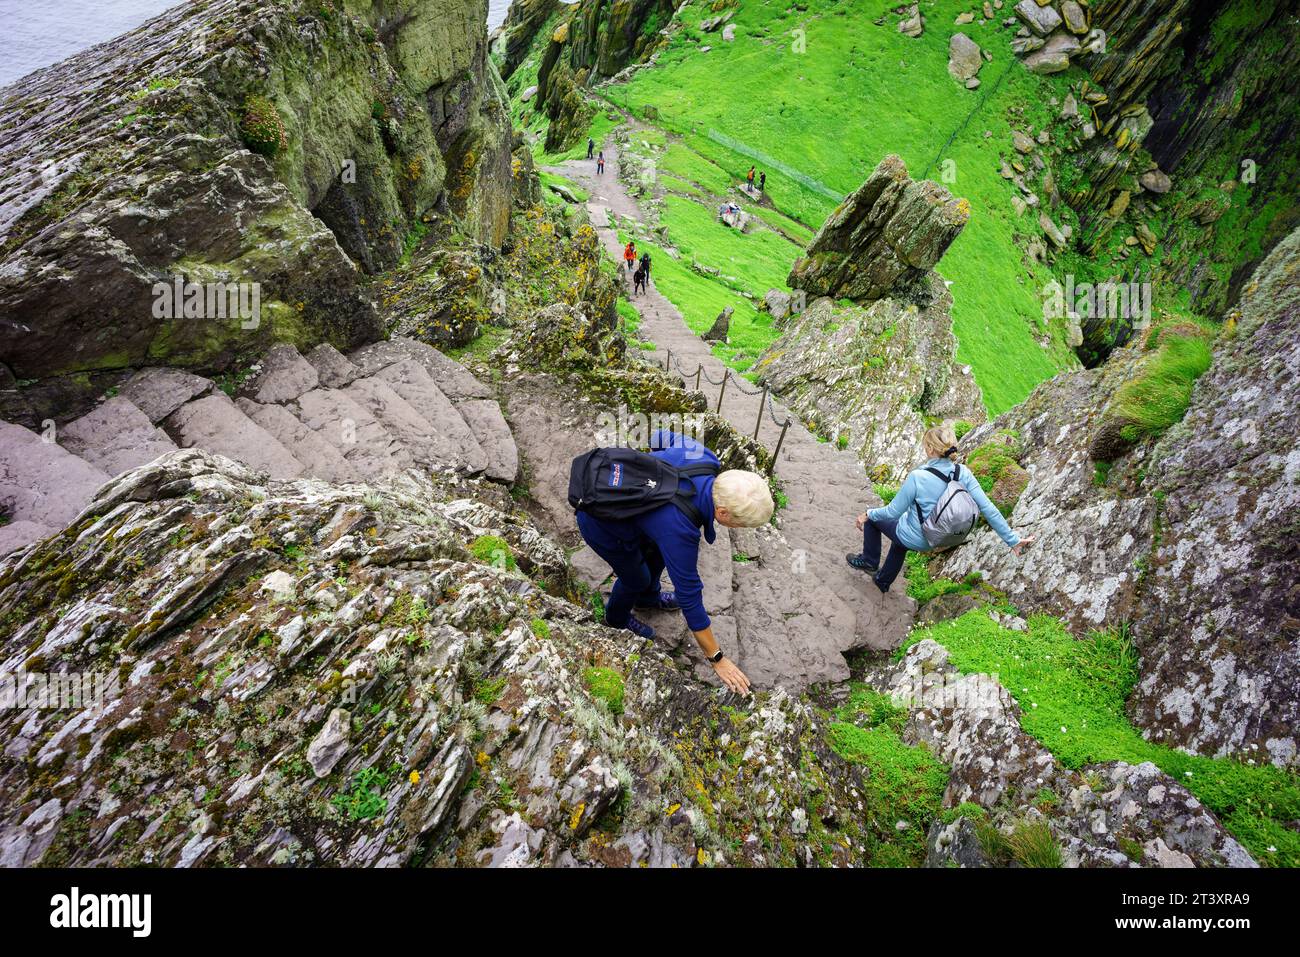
884 237
1104 811
868 377
406 703
1219 629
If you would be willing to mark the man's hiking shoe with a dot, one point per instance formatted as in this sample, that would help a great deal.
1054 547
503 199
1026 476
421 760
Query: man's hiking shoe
860 563
637 627
667 602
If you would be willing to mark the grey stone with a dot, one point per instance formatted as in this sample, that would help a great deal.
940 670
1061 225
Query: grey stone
40 482
319 457
333 369
412 381
330 743
452 378
964 60
1042 20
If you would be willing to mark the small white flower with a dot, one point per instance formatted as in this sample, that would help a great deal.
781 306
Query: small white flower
1187 774
1063 731
1272 849
1034 705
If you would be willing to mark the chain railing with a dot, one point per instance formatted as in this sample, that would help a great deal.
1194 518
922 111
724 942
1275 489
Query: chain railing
765 403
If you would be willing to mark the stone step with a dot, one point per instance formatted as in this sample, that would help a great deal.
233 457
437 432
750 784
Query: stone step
15 535
322 460
41 483
158 392
453 379
412 381
350 427
484 418
334 369
428 444
214 423
115 436
283 375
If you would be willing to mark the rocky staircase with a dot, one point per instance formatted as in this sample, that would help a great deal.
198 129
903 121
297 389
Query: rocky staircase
388 406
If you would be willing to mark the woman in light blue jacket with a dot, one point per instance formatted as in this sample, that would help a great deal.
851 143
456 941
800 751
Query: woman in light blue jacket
898 520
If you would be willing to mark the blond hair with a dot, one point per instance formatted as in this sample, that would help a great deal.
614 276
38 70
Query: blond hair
745 495
938 440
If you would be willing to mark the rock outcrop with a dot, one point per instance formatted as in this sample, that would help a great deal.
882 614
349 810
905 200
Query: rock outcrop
884 237
276 152
401 701
867 375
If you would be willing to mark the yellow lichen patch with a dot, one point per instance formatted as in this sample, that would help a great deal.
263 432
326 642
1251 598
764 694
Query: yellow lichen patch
576 817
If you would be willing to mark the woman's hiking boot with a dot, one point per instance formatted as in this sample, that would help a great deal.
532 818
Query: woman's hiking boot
860 563
637 627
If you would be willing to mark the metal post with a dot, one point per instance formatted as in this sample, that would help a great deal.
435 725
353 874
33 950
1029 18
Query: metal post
759 424
723 391
699 371
778 445
668 361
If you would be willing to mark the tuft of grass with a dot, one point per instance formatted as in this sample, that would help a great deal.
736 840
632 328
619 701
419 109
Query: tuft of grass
1031 843
1159 395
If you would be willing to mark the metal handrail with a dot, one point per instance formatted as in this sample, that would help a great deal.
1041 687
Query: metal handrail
670 362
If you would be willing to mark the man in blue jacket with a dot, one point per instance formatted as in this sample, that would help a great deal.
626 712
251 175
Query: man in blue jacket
898 520
638 549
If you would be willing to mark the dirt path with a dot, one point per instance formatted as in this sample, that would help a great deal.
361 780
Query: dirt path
796 606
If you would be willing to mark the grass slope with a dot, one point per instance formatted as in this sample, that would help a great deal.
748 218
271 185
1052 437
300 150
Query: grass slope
818 121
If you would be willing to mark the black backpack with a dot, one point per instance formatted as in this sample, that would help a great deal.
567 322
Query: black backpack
621 483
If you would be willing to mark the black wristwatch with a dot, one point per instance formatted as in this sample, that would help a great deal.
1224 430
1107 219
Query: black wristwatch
714 659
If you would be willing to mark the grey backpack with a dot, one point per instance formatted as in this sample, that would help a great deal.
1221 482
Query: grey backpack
954 515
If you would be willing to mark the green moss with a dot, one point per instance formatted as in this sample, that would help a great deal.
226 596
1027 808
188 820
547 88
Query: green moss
1072 693
493 550
607 685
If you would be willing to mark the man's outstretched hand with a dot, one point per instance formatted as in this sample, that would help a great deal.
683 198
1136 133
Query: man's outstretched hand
1015 549
732 676
862 522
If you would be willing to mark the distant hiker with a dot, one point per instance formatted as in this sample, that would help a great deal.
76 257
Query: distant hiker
936 509
600 163
629 257
638 279
645 263
591 147
643 513
762 182
749 180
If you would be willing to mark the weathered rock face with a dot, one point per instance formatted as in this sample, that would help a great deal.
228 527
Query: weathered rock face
1220 629
867 377
973 725
133 163
295 673
1193 92
882 238
1189 540
597 40
523 22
